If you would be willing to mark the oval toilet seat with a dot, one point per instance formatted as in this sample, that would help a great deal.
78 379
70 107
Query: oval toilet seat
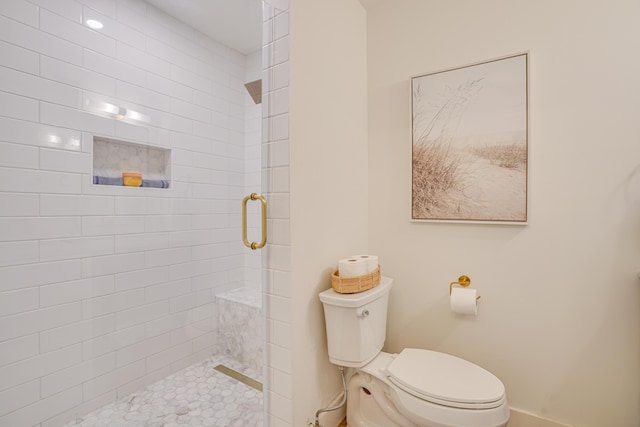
445 380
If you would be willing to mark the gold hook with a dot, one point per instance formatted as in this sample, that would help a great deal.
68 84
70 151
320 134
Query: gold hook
463 281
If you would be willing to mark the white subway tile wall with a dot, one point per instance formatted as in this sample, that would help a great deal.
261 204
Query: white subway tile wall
252 168
103 289
276 303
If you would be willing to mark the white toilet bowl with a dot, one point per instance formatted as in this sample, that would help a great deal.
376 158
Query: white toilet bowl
414 388
390 392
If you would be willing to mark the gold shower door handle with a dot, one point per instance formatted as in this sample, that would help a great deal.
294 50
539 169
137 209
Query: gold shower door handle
263 201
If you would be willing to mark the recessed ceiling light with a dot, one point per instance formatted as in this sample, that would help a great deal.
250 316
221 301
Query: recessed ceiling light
96 25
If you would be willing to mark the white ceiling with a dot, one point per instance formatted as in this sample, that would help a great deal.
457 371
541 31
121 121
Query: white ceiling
235 23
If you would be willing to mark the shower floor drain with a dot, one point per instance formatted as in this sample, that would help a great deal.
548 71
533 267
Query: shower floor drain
239 376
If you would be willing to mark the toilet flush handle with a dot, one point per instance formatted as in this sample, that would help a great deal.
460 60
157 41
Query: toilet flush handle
363 312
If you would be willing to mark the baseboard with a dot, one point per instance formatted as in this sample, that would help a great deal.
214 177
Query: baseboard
333 418
524 419
518 418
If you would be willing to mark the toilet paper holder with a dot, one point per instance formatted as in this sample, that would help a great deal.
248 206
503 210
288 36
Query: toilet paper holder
463 281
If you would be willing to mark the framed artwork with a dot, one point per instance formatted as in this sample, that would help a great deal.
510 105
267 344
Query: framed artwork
470 142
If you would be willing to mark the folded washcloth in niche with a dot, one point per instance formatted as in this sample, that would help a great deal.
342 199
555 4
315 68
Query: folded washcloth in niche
155 183
107 180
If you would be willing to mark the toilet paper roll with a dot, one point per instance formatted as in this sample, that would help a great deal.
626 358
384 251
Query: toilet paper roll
372 261
464 301
352 267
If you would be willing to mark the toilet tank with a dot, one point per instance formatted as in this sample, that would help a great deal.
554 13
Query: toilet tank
356 324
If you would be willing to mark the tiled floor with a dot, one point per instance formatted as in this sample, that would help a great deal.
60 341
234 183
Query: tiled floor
195 396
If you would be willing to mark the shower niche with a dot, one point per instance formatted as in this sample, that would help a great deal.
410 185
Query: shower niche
112 158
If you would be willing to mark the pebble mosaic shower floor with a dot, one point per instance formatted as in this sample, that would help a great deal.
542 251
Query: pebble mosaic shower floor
195 396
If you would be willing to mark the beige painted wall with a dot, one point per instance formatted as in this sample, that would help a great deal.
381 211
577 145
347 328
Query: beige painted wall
559 316
328 128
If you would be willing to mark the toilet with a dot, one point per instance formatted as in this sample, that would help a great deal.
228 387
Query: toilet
414 388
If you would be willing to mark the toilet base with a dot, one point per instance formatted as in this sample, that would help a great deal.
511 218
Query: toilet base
369 406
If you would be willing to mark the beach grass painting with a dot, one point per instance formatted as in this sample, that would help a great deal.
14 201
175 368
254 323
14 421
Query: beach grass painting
470 143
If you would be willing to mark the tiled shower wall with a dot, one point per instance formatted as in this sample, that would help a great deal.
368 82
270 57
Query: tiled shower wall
276 258
105 289
253 172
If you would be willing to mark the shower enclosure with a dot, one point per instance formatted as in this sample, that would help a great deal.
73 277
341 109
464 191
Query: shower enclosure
107 288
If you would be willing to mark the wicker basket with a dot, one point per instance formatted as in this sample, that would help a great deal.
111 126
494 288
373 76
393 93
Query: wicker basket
352 285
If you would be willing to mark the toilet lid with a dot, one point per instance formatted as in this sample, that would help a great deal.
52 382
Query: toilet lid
445 379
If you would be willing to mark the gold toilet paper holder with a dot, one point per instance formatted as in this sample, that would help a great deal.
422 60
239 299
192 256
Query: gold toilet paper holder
463 281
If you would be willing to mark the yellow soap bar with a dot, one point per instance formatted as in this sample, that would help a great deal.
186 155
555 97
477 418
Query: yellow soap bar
132 179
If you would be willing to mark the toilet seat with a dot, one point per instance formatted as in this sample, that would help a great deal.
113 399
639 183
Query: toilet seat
445 380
